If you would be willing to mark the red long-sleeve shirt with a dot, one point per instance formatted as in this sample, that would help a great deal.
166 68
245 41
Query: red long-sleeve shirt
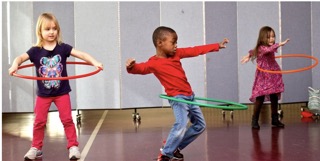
169 70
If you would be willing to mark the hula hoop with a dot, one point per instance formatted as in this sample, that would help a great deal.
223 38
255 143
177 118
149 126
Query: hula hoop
294 70
56 78
231 105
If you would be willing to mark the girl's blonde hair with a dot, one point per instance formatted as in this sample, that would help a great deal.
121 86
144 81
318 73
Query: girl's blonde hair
43 18
264 35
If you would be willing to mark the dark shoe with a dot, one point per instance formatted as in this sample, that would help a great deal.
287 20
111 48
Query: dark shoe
275 121
255 122
163 158
177 155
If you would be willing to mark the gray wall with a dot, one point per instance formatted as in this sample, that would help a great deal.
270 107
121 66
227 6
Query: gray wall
297 27
114 31
222 67
315 38
136 42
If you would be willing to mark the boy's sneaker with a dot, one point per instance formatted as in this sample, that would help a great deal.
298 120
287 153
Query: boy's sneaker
177 155
74 153
163 158
33 153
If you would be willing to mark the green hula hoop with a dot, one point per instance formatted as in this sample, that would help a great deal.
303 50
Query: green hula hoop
231 105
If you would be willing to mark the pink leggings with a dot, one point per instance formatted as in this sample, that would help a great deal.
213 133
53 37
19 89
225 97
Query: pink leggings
41 113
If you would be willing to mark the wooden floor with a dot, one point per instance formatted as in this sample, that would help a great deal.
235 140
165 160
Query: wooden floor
111 135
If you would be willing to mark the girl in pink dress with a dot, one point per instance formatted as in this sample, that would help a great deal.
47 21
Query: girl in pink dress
266 86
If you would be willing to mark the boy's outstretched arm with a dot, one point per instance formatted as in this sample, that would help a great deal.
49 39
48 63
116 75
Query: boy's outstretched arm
223 43
130 63
137 68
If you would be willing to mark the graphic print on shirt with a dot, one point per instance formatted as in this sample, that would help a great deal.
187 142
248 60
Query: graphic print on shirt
51 68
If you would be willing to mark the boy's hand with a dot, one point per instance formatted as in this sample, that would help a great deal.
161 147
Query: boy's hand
130 63
223 43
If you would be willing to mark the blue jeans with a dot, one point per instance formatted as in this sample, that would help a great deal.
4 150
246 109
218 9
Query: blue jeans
181 135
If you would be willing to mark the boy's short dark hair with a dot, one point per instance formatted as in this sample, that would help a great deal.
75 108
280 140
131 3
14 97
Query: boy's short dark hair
160 32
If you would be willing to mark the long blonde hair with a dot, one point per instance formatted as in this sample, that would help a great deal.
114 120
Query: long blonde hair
264 34
42 19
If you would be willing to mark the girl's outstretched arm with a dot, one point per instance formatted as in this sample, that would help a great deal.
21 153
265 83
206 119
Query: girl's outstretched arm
284 42
245 59
87 58
17 62
272 48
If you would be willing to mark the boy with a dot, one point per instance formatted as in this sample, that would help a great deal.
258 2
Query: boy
166 66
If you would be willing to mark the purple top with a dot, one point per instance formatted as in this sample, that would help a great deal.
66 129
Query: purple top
51 64
267 83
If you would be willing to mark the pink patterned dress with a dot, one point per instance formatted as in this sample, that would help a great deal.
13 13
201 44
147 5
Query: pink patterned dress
267 83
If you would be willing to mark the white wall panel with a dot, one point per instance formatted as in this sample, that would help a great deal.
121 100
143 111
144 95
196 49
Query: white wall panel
97 33
18 40
138 20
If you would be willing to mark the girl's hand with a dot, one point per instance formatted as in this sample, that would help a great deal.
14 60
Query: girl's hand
17 62
222 44
12 69
130 63
284 42
99 65
245 59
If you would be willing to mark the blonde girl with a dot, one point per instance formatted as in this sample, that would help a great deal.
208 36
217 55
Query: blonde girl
49 56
